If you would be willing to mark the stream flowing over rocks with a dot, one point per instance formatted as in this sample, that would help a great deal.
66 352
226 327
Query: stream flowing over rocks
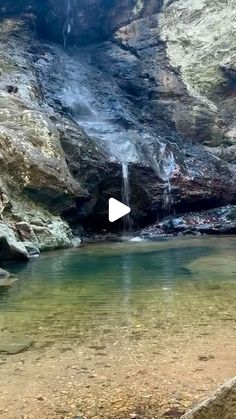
121 98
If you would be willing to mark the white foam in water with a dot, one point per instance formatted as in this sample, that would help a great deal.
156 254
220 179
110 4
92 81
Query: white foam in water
137 239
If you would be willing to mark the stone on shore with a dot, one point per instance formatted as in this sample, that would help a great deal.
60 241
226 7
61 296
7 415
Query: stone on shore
221 405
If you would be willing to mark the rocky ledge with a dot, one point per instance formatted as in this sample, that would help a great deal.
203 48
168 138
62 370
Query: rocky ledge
216 221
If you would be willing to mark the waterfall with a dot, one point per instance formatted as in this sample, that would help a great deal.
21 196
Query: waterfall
126 195
167 167
98 106
69 20
167 197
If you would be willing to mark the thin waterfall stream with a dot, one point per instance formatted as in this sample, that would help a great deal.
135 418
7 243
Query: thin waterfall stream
126 196
69 20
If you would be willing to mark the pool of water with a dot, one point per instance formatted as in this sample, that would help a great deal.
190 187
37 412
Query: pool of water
114 289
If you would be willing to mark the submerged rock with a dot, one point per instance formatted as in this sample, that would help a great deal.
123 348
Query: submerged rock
12 345
4 274
7 282
6 279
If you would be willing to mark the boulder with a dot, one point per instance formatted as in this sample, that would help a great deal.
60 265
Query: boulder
32 249
6 279
14 344
4 274
8 282
10 247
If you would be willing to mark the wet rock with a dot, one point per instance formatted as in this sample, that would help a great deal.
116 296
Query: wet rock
218 221
32 249
222 404
154 158
7 282
104 18
4 274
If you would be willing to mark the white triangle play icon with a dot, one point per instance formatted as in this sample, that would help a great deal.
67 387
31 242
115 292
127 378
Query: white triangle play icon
117 210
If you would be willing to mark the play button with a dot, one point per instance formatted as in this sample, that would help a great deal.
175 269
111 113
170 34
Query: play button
117 210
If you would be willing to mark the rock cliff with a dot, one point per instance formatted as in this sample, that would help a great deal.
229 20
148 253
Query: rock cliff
146 84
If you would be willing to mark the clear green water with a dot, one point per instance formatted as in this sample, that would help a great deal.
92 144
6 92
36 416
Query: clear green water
110 289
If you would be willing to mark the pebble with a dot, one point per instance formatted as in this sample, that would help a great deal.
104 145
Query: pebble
205 357
40 398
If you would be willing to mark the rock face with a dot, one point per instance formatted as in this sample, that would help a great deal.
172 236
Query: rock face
222 404
31 153
88 21
81 22
36 185
130 100
200 39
